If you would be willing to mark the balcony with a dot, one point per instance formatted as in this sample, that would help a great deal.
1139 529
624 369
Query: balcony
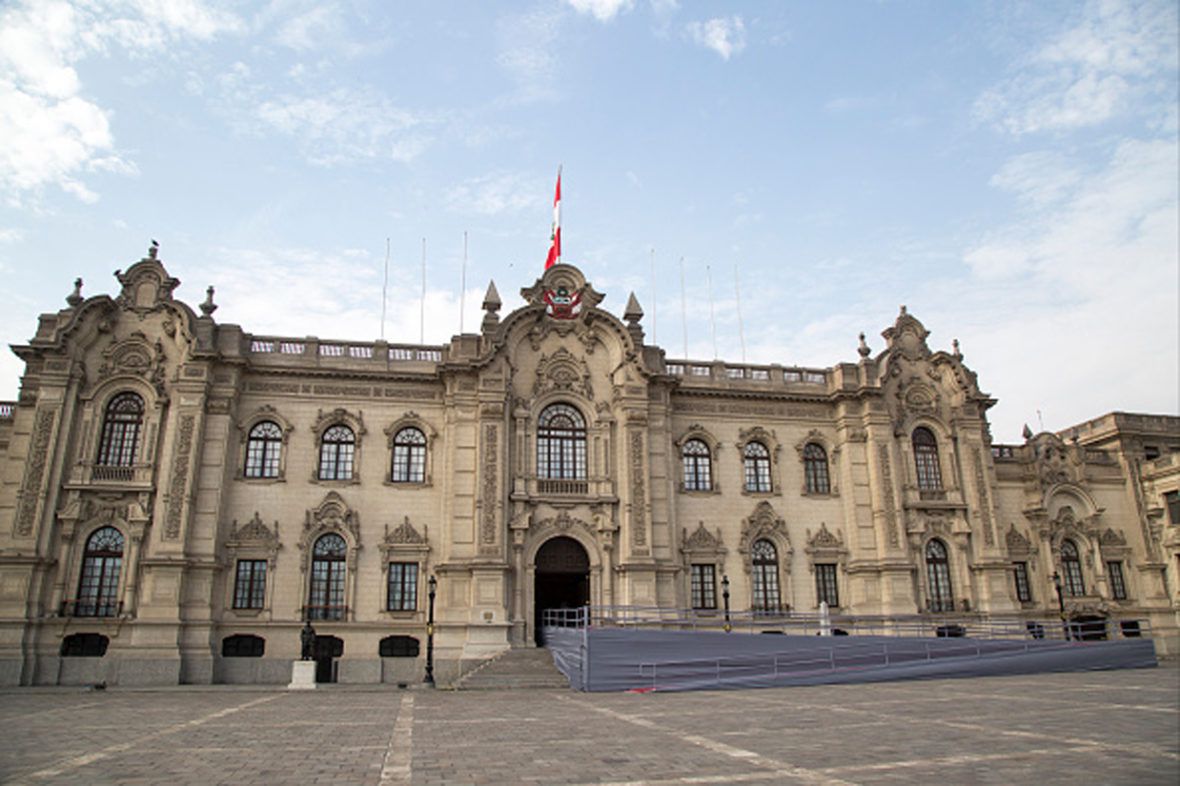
90 474
571 488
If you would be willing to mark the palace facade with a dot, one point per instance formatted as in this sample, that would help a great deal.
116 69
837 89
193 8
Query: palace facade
177 495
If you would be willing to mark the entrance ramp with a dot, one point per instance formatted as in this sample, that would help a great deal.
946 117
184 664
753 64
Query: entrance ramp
630 658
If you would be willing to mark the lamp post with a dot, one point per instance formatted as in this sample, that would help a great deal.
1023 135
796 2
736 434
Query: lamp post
1060 603
433 585
725 597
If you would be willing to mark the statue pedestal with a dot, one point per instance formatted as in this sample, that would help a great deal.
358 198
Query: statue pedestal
302 675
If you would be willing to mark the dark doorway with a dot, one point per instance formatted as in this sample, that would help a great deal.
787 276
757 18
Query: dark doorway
327 650
562 580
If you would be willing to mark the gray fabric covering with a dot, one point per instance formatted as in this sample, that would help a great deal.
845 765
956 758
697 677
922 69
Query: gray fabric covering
611 659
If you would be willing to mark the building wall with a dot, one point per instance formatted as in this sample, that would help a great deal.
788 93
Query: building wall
187 513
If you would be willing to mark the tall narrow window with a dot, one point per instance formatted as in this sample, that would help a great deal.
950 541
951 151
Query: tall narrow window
1071 569
409 456
704 586
697 471
325 599
926 460
120 431
403 587
250 584
815 469
1118 587
938 577
98 590
1020 572
1172 503
826 590
561 443
756 461
764 562
336 451
263 445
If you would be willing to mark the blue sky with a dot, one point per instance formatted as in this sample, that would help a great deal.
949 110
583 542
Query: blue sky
1006 170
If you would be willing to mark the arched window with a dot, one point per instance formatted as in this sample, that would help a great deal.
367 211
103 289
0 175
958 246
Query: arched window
409 456
938 577
756 459
120 431
697 471
815 469
337 448
1071 569
263 447
764 562
98 589
926 460
325 600
561 443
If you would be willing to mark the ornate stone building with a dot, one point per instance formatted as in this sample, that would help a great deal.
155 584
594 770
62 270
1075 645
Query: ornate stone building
178 495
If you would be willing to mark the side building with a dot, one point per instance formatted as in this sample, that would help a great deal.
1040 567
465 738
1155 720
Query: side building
177 495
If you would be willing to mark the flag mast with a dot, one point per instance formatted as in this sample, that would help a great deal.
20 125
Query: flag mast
463 282
385 289
712 317
683 309
422 309
554 256
654 338
737 288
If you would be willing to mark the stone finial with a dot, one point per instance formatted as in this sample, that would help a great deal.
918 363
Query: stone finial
153 250
491 305
958 353
1027 433
208 307
75 297
903 311
633 312
863 349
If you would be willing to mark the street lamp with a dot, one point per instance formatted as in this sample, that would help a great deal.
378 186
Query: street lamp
433 586
725 597
1060 602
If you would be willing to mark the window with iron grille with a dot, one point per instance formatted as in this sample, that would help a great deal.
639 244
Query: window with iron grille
1118 587
826 590
337 449
561 443
325 599
250 584
263 447
102 561
120 431
926 460
764 574
697 469
1020 573
1071 569
756 462
409 456
938 577
403 587
704 586
815 469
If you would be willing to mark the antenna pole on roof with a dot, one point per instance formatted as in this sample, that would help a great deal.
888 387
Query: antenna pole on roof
737 288
385 289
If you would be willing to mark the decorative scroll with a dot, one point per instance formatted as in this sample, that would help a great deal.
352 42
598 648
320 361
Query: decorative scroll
36 471
638 508
184 445
989 537
890 508
488 460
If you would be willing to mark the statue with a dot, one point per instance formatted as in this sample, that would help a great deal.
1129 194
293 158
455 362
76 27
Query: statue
307 641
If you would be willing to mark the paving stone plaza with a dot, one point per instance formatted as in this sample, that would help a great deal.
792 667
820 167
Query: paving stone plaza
1098 727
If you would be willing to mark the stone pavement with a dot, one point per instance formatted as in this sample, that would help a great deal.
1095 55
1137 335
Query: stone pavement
1097 727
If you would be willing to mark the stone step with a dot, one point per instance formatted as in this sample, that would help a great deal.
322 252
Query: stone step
516 669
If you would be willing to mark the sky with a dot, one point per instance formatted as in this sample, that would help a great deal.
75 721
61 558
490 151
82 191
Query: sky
1008 171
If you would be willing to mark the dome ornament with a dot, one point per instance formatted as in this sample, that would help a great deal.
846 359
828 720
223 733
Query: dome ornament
208 307
74 299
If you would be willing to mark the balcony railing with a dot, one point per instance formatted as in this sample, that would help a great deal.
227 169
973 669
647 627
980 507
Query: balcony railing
91 608
7 409
563 487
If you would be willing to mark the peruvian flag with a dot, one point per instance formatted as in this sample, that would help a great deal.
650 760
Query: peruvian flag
555 236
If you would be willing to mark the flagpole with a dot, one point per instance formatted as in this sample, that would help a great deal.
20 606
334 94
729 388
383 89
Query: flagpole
737 288
654 339
422 309
712 317
683 308
463 283
385 289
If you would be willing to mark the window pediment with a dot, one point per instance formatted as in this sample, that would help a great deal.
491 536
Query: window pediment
563 372
702 542
332 515
764 522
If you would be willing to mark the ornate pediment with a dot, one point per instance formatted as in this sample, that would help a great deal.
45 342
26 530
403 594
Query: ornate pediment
564 522
333 513
255 531
824 539
135 355
563 371
1017 543
701 540
764 522
1112 538
907 337
563 292
146 284
403 534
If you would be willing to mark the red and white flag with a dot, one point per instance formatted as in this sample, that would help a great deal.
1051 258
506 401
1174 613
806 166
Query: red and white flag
555 236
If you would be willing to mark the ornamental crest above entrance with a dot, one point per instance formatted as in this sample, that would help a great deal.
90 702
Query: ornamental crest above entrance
563 292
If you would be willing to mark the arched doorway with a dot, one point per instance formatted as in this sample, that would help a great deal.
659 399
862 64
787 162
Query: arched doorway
562 579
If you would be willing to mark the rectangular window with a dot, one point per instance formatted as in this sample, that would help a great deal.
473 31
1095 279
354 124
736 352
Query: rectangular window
1118 587
403 587
704 586
826 590
1020 571
250 584
1172 502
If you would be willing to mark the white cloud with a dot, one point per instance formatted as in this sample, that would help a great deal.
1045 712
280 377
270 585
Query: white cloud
724 36
1114 54
525 49
11 235
1041 177
52 133
602 10
496 194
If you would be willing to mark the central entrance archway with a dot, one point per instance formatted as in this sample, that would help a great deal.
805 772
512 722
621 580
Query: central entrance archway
562 579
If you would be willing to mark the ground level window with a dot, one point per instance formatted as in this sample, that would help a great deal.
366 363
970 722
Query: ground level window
1118 587
1020 572
403 586
398 647
84 645
243 645
704 586
826 590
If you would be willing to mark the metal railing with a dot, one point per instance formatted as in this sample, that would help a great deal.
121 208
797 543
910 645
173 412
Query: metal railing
7 409
563 487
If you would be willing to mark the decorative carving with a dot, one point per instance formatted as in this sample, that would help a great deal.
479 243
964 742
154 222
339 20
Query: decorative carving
762 523
887 492
907 337
638 495
253 531
985 508
564 372
1112 538
35 471
824 539
702 540
179 480
137 356
403 534
1017 543
489 460
563 522
333 513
